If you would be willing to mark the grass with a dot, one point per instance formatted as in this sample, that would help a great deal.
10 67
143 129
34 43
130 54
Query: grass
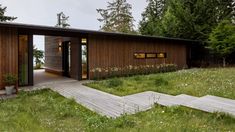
46 110
196 82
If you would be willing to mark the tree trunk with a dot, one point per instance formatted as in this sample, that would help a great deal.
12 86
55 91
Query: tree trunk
224 62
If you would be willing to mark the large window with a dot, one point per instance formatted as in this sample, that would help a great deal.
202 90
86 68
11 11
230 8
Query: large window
84 58
160 55
23 60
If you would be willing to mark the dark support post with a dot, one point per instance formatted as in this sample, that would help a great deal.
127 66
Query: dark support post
79 59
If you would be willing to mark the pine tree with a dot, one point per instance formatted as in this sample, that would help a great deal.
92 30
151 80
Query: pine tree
117 17
190 19
152 17
62 20
4 18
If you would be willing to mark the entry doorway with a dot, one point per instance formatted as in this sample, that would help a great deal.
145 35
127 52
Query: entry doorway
66 58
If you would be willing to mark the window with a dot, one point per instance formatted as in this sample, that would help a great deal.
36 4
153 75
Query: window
150 55
161 55
84 41
139 55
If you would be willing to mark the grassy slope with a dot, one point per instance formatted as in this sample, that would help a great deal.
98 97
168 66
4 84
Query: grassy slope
197 82
47 111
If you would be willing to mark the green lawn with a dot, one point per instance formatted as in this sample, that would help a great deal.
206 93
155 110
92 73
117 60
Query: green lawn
47 111
197 82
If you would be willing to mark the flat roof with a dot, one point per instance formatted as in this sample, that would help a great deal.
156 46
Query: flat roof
75 30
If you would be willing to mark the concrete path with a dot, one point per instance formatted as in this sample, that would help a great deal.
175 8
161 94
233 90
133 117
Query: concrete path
114 106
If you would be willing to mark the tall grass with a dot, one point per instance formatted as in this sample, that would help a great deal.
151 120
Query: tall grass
47 111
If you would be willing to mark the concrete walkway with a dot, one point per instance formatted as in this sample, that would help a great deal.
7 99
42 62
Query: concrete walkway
114 106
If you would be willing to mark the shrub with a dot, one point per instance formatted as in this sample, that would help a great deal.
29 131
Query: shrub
160 82
115 82
110 72
9 79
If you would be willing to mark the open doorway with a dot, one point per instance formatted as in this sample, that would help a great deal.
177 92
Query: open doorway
51 67
45 59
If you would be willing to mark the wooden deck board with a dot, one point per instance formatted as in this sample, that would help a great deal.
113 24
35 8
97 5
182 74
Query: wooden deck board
114 106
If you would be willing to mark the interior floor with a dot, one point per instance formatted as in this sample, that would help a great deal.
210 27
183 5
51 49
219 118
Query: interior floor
40 77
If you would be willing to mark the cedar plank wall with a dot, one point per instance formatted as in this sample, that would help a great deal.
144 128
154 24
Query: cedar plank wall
8 52
53 57
74 58
113 51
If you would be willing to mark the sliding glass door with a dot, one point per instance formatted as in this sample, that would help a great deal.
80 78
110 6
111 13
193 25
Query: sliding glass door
23 60
84 61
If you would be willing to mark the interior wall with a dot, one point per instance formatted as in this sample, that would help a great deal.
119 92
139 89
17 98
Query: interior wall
53 54
8 52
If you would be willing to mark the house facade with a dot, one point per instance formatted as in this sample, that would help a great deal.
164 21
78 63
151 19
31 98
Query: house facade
79 54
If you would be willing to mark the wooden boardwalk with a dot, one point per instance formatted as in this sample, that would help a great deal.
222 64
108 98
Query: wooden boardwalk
114 106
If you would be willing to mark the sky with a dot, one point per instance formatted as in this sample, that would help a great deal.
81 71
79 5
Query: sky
82 13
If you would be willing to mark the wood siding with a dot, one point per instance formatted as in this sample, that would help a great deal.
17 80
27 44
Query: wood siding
53 56
75 54
8 52
112 51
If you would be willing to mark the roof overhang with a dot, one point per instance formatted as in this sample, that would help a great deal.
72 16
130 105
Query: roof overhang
49 30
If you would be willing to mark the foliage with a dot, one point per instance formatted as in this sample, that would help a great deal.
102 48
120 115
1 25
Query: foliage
196 82
45 110
152 16
109 72
9 79
190 19
222 39
115 82
38 55
160 81
62 20
4 18
117 17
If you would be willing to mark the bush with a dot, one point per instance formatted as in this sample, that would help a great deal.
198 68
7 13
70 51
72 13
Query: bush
9 79
110 72
115 82
38 66
160 82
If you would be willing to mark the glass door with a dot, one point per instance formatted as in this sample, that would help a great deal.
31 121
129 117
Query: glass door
23 60
84 61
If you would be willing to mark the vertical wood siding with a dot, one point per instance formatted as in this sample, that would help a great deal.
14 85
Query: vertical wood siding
111 51
8 52
53 57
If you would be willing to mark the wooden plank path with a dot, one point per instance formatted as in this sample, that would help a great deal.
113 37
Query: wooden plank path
114 106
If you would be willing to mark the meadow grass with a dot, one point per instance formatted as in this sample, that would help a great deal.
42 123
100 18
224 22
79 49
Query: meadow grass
196 82
46 110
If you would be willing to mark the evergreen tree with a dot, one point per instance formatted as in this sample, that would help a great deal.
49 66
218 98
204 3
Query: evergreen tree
190 19
62 20
4 18
197 18
152 16
222 39
117 17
